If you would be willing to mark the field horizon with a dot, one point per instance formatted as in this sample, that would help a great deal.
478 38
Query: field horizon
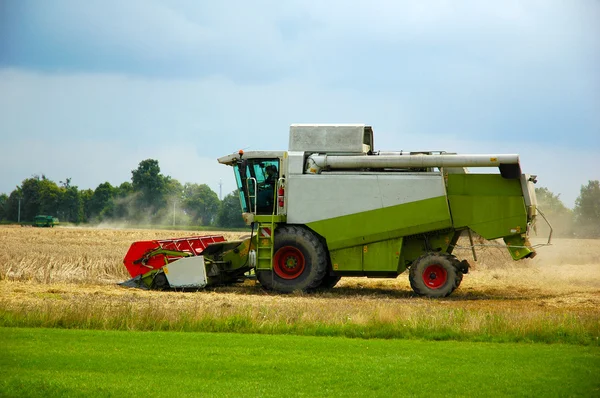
67 278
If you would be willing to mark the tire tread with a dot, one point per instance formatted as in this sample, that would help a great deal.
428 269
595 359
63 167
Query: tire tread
416 280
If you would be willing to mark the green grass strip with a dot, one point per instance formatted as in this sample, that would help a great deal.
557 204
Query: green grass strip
58 362
455 325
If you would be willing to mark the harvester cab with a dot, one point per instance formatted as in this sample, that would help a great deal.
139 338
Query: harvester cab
260 182
331 206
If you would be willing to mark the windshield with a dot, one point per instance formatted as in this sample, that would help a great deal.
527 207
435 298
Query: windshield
241 191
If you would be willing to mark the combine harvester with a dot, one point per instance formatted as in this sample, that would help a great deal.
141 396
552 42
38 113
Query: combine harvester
332 206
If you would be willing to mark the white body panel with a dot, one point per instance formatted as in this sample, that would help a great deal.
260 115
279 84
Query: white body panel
332 138
186 272
318 197
295 163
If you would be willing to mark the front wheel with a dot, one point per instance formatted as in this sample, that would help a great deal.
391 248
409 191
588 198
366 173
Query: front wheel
435 275
299 261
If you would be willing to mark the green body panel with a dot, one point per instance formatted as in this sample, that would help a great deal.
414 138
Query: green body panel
148 277
382 256
483 185
490 205
372 242
374 257
347 259
383 224
237 258
391 257
518 247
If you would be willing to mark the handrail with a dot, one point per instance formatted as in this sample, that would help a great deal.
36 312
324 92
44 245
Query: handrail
549 226
255 192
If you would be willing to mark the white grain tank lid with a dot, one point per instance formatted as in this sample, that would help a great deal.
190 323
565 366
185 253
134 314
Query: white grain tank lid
331 138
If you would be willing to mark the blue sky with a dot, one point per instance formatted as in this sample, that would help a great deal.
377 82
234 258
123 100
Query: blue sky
88 89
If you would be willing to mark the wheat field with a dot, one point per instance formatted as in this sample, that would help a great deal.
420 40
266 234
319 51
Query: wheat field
66 277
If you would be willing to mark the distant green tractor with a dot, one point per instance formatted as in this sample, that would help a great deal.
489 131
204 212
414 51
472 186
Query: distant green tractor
45 221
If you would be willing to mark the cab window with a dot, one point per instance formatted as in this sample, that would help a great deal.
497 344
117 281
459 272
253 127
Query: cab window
259 195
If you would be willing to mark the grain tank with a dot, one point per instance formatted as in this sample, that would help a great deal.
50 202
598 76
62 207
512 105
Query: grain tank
332 206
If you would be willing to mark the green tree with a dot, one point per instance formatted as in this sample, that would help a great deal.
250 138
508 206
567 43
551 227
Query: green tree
125 189
230 212
71 204
11 207
550 202
101 199
86 197
587 210
3 206
557 213
123 205
151 187
29 193
39 196
50 197
173 187
200 203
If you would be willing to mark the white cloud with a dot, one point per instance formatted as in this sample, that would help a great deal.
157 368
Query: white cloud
97 128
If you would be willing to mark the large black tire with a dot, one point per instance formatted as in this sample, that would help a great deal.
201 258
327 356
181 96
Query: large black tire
435 275
299 261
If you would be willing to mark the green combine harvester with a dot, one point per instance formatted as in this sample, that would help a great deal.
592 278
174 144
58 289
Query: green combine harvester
332 206
45 221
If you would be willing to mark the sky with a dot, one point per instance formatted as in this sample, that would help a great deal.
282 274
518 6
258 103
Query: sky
88 89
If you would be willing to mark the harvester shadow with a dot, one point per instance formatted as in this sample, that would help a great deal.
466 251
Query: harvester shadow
337 292
495 295
345 292
364 291
464 295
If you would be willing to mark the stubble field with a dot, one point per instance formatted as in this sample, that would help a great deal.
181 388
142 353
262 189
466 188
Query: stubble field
66 277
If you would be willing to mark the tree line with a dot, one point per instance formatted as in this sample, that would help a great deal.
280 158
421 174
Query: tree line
149 198
153 198
582 221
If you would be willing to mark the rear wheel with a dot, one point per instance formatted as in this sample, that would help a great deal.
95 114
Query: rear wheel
435 275
299 261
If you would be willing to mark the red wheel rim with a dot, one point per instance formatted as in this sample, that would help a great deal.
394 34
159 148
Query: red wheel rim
288 262
435 276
